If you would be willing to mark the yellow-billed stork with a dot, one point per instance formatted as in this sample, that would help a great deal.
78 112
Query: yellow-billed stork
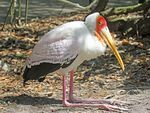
64 48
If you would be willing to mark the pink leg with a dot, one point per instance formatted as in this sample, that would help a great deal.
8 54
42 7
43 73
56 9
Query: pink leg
71 98
104 104
64 91
90 101
78 100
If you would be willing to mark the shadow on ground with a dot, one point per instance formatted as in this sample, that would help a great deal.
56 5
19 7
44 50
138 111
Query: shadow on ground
24 99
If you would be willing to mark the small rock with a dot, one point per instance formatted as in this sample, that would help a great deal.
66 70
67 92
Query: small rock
97 71
122 92
133 92
15 70
6 67
50 94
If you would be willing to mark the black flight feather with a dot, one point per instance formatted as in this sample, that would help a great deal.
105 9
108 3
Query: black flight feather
38 72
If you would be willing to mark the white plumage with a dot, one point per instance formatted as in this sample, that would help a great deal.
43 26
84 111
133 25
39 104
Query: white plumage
66 42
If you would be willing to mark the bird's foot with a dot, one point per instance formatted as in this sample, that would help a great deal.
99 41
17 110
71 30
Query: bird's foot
97 101
103 105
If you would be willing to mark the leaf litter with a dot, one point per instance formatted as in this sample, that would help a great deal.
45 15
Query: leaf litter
98 78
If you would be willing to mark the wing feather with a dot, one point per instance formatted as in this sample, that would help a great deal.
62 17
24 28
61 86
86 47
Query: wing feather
58 45
57 52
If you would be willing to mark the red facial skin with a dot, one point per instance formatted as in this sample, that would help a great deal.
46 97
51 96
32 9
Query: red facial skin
100 23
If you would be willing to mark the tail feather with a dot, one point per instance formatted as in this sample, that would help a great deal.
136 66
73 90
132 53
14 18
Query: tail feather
38 72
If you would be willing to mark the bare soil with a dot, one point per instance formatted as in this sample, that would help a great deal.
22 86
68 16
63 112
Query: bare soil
98 78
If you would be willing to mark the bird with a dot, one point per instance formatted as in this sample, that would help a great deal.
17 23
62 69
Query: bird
64 48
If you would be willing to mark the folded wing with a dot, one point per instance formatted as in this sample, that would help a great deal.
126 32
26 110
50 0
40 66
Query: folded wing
49 56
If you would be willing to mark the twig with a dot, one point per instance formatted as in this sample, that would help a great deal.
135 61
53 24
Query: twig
13 11
71 3
19 12
7 14
79 6
62 9
26 11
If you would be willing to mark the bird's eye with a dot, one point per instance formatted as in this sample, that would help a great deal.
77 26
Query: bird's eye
99 23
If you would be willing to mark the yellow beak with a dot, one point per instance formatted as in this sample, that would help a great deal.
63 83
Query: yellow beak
106 36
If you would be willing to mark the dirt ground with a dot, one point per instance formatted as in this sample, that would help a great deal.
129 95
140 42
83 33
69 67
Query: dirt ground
98 78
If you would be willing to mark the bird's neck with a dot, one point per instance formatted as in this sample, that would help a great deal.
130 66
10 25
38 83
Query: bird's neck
93 47
91 27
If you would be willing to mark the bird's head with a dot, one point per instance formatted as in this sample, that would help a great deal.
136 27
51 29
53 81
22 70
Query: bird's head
98 25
